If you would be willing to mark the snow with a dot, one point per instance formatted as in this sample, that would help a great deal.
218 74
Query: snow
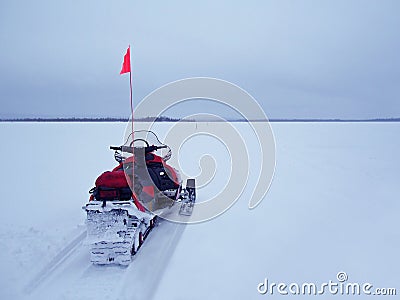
333 206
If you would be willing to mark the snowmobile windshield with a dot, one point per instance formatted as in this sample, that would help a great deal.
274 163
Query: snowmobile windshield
145 138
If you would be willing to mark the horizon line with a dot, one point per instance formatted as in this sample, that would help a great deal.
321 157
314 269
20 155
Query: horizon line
168 119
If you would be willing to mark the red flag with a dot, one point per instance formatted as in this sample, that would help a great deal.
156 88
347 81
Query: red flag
126 66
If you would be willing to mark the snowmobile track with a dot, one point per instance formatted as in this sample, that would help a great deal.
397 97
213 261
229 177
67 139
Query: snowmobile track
55 263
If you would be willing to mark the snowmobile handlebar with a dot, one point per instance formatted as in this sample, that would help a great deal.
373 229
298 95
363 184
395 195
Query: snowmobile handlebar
116 148
130 149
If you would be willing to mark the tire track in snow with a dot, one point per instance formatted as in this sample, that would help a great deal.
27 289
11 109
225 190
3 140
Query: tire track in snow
55 263
145 272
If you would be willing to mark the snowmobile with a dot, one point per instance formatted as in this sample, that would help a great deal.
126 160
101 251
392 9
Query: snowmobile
125 203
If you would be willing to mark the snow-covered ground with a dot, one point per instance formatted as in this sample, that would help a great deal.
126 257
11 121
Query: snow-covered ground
333 206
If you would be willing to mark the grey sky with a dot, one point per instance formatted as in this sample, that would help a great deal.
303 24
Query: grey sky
297 58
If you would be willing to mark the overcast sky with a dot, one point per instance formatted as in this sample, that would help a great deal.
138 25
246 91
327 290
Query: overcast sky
299 59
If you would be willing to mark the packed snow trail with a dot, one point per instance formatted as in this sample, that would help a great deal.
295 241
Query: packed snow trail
55 262
151 261
72 276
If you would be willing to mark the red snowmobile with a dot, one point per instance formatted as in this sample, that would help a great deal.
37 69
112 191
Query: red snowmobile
125 202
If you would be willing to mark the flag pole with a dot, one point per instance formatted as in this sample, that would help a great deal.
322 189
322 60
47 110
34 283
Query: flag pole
126 67
130 82
132 123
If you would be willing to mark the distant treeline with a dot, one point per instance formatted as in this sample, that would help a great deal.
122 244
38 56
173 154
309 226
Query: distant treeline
169 119
74 119
337 120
